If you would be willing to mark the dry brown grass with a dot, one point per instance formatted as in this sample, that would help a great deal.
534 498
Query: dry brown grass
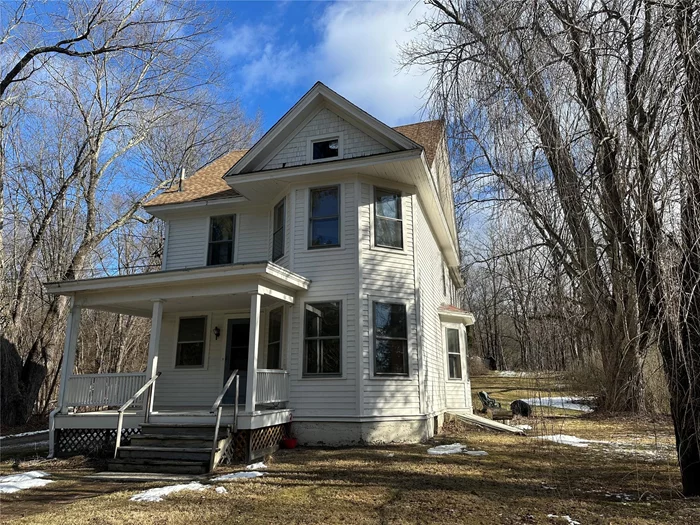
521 481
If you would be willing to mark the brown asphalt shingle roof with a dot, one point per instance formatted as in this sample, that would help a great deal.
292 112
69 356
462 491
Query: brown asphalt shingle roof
207 183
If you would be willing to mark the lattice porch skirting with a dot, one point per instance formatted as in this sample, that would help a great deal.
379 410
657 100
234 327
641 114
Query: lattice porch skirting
94 442
248 445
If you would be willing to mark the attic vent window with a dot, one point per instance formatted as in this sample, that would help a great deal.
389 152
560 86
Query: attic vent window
325 149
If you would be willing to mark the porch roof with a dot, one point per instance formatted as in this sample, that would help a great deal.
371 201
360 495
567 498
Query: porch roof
211 287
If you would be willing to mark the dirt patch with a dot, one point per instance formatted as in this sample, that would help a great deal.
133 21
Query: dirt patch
34 423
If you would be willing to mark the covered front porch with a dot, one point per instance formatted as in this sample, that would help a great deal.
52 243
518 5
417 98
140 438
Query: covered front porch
206 324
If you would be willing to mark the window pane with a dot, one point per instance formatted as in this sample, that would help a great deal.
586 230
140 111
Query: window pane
221 228
277 245
387 204
279 215
190 354
324 202
273 355
388 232
275 325
325 149
390 357
390 320
330 356
323 319
220 253
312 357
455 366
324 232
453 341
191 329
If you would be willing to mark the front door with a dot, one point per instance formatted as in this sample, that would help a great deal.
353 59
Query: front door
237 337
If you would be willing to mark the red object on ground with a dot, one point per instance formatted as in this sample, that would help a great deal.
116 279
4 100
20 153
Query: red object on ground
289 443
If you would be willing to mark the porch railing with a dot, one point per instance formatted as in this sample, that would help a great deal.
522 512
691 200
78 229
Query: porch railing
102 389
272 387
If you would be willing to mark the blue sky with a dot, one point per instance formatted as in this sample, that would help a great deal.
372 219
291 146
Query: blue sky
273 52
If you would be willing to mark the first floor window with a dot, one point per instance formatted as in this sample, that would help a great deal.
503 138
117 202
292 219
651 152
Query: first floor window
191 337
388 225
322 338
274 339
454 354
221 232
390 339
324 217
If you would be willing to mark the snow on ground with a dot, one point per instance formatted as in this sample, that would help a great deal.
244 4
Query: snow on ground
574 441
568 519
523 427
23 434
441 450
239 475
26 480
221 490
476 452
558 402
157 494
257 466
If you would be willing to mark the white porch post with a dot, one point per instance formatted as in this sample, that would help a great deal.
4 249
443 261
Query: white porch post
255 300
69 347
153 345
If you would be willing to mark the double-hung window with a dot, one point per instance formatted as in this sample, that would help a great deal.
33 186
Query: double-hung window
274 339
221 233
454 354
322 348
390 340
324 217
191 338
278 231
388 224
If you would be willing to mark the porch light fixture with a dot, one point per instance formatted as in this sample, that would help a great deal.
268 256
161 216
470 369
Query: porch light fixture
217 332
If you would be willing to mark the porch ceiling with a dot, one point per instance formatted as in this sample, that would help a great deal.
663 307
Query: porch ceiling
210 288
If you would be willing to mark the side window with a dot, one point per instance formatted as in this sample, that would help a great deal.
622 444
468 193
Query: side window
191 338
324 217
221 232
454 354
278 231
388 223
322 347
390 340
274 339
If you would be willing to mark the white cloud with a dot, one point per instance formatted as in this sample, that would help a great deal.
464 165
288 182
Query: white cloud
357 53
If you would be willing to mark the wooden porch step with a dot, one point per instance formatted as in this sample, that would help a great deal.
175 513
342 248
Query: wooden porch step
168 453
179 429
158 466
175 440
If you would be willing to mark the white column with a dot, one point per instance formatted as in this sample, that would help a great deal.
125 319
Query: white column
69 347
153 345
253 343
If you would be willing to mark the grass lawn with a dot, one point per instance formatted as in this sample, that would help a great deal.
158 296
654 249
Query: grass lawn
630 479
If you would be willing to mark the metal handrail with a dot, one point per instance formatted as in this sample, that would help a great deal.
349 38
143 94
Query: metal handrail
216 407
146 408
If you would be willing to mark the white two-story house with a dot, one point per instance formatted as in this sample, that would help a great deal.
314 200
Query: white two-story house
313 278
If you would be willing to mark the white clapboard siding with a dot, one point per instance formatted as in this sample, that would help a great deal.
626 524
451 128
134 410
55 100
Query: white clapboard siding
187 242
333 274
355 142
253 237
387 275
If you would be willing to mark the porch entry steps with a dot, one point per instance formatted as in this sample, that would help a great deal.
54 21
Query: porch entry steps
170 448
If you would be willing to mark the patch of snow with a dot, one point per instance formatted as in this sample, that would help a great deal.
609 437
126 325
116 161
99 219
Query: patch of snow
239 475
476 452
557 402
157 494
568 519
221 490
34 433
523 427
441 450
256 466
507 373
574 441
26 480
390 455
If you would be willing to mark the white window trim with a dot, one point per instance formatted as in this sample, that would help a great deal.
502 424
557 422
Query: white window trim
462 354
409 362
207 341
321 138
372 211
341 218
343 339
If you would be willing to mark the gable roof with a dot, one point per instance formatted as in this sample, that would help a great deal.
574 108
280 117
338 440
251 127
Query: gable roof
208 182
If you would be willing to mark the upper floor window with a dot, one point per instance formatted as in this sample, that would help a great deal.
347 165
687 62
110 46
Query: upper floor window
191 337
325 149
390 339
278 231
454 354
388 224
322 338
324 217
221 232
274 339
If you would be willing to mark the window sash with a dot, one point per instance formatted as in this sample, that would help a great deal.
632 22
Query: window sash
454 355
378 338
189 342
316 342
324 218
225 242
379 218
274 340
278 231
